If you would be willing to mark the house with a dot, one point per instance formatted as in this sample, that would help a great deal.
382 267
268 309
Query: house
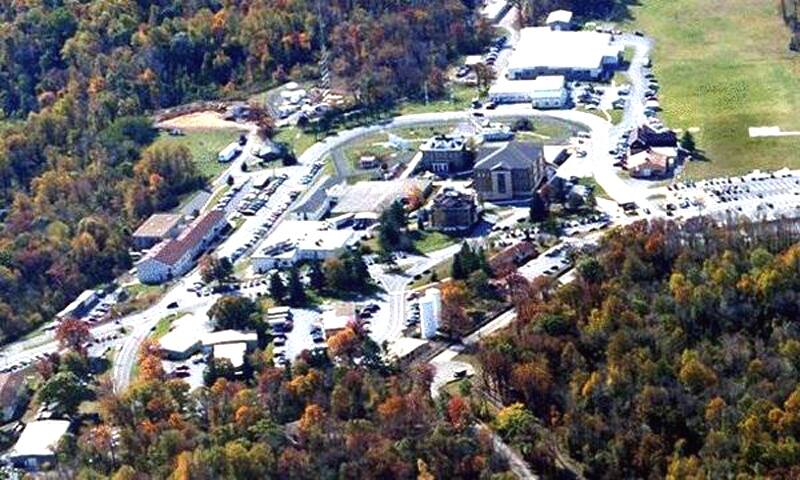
37 445
453 211
543 92
649 164
646 137
157 228
13 395
174 257
510 172
559 20
577 55
446 155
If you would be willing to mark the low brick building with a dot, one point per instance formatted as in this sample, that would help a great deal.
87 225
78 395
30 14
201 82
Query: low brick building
453 212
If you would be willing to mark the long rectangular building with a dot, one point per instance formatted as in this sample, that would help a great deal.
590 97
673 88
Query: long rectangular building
577 55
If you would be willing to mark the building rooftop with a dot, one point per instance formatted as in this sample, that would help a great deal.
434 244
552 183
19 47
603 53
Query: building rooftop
173 250
338 316
187 331
305 235
513 155
228 336
158 225
582 50
648 158
450 198
40 438
373 196
233 352
444 142
559 16
543 86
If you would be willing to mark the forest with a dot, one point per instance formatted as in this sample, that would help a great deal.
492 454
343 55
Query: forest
78 79
675 354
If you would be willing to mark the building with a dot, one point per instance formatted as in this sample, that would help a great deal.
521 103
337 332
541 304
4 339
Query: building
157 228
38 443
453 211
446 155
579 55
430 306
294 241
543 92
367 162
13 395
649 164
184 338
235 353
174 257
80 306
338 317
495 132
510 172
646 137
224 337
374 196
559 20
508 260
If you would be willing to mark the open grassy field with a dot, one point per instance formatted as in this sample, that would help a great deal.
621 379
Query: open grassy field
205 145
724 67
461 98
296 138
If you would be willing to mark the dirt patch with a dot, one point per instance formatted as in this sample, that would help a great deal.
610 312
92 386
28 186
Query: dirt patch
206 120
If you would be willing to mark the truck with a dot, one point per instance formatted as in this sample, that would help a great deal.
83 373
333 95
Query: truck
229 153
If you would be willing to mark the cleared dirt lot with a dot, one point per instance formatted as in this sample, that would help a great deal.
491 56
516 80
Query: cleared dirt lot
207 120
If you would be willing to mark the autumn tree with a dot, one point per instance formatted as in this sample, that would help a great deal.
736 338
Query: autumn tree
74 334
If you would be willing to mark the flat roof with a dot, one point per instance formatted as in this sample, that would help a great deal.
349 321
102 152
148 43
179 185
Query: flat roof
543 85
229 336
338 316
580 50
40 438
77 303
305 235
373 196
234 352
187 331
563 16
158 225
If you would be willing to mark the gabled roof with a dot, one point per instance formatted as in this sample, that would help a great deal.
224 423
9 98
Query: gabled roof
514 156
174 250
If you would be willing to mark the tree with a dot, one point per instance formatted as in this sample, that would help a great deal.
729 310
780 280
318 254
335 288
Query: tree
236 313
297 294
74 334
213 268
539 210
485 76
688 142
277 290
64 389
316 276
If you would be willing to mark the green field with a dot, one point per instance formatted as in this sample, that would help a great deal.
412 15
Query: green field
426 242
461 98
724 67
296 138
205 145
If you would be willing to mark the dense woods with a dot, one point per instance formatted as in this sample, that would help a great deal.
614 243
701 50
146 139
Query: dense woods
315 420
674 353
77 172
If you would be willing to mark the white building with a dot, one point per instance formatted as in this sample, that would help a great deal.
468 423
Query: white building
559 20
430 307
37 444
184 338
223 337
546 91
583 55
297 240
175 257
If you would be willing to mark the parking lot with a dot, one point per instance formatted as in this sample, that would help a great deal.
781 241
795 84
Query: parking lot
756 195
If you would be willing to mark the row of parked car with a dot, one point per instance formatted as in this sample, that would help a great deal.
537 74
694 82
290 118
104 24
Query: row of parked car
316 167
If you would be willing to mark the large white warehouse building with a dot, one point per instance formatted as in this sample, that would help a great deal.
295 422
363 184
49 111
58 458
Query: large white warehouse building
577 55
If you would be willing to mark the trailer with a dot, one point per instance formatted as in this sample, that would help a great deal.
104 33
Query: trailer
229 153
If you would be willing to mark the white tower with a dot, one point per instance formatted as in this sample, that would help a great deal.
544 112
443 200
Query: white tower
430 307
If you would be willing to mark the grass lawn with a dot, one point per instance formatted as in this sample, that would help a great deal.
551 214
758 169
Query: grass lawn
205 145
425 242
296 138
616 116
724 67
591 182
217 195
441 270
462 96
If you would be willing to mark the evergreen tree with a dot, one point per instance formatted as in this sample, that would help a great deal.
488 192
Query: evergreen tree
317 276
687 142
277 290
297 295
538 208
